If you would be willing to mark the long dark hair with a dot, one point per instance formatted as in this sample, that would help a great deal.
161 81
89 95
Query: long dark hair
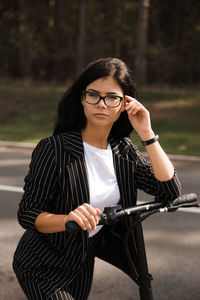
70 110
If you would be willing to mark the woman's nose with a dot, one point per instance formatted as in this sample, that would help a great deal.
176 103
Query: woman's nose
101 103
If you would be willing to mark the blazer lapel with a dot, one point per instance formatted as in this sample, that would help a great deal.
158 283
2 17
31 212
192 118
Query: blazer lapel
73 143
76 172
124 169
76 168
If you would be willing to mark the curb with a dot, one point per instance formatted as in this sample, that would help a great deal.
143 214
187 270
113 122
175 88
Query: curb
178 157
184 157
8 144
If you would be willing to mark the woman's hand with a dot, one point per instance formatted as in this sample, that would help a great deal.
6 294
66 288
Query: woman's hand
139 118
85 216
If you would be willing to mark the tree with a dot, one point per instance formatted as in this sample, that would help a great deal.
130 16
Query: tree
81 45
46 40
141 41
60 10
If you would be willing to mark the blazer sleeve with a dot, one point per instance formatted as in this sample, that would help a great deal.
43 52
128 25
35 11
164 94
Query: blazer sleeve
145 180
39 185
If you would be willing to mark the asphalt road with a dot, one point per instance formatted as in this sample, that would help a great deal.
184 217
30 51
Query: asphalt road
172 241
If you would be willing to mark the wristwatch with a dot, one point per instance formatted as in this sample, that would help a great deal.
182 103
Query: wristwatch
151 141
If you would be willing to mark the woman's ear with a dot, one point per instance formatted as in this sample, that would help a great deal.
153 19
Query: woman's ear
123 104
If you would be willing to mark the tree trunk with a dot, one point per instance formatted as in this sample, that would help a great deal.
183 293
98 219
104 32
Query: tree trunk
81 51
23 63
141 51
60 10
118 24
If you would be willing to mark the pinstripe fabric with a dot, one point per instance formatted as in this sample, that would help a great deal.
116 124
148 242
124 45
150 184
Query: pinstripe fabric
78 289
57 183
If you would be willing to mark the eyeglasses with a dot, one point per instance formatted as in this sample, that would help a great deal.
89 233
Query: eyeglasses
110 101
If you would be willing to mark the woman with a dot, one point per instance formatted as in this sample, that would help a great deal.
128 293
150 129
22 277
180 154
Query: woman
88 164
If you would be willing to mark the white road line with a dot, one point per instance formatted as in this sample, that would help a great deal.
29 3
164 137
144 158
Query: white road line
14 162
10 188
19 189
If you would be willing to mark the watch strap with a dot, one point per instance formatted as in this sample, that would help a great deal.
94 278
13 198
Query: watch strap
151 141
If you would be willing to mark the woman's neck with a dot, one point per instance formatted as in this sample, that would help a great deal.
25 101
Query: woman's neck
97 138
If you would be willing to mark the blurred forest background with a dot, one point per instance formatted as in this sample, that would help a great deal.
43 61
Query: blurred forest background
44 45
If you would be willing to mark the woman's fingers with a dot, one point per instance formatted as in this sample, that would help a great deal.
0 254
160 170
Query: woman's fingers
98 213
73 216
135 109
132 106
138 116
86 216
88 219
94 211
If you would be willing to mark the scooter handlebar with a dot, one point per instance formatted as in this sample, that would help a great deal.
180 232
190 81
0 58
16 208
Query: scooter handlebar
183 199
112 213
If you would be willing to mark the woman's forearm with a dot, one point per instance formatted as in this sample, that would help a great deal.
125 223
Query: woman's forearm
84 215
50 223
162 167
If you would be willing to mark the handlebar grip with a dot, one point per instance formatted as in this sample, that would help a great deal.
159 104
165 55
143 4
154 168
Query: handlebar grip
187 198
72 226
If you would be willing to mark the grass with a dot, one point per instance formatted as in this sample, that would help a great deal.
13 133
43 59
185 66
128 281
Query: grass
28 112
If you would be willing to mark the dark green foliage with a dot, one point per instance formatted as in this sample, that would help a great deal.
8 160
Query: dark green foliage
38 39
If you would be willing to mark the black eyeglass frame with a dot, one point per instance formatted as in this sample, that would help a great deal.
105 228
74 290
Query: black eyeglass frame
102 98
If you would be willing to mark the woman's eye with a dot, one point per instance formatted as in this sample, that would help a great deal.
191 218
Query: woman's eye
113 98
93 95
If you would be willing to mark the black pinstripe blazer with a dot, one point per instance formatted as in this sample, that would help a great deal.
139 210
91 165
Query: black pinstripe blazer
57 183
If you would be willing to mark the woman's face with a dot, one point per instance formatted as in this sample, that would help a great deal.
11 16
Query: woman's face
100 114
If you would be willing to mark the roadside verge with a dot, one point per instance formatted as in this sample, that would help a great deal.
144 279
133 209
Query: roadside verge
8 144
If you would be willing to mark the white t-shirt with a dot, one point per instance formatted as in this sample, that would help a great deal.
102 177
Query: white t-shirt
103 186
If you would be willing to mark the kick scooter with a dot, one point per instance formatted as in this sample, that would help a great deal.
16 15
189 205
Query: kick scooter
139 213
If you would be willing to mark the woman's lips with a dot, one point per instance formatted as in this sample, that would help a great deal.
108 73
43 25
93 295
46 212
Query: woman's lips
100 115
